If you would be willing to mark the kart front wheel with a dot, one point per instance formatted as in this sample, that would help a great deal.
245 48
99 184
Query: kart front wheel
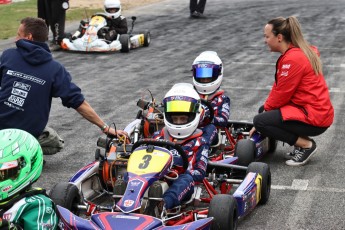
125 43
223 209
264 170
147 38
245 151
66 195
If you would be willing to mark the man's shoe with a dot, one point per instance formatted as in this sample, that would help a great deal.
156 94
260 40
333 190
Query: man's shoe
290 155
54 46
303 156
195 14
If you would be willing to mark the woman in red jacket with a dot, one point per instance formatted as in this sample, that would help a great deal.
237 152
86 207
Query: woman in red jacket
298 105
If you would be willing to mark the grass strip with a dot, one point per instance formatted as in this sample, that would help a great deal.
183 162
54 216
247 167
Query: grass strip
11 14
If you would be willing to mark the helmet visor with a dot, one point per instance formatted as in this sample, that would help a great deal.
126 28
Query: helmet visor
8 170
112 10
205 73
181 104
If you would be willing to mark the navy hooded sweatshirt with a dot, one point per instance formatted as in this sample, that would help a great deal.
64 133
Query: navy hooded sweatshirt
29 79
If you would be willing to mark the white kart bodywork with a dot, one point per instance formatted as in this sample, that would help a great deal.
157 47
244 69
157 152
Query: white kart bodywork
90 41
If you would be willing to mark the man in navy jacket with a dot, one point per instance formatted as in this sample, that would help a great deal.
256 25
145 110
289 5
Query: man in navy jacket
30 77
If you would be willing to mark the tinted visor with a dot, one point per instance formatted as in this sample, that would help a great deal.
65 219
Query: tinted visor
8 170
205 73
181 104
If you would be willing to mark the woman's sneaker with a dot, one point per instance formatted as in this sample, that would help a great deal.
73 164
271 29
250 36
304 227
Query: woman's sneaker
291 154
303 156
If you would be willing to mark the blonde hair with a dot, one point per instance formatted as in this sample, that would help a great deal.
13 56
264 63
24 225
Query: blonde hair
291 30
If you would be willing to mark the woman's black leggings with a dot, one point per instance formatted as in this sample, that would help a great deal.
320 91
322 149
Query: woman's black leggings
271 124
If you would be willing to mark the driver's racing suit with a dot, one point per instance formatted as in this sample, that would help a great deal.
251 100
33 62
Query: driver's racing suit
221 109
196 148
31 210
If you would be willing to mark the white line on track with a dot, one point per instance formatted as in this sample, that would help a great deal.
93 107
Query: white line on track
302 185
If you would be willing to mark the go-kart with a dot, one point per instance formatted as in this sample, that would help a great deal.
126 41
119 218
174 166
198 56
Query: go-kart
95 182
233 140
93 39
217 203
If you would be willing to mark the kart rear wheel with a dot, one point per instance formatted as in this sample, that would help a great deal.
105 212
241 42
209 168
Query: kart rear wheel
125 42
66 195
245 151
223 208
264 170
147 38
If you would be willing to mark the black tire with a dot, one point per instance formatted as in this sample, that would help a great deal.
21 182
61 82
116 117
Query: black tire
125 42
97 154
264 170
147 38
223 208
66 195
245 151
272 145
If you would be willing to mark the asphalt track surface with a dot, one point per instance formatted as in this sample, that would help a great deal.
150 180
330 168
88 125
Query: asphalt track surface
309 197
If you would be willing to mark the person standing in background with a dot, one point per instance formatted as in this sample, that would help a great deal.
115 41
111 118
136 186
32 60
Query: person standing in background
197 8
30 78
54 14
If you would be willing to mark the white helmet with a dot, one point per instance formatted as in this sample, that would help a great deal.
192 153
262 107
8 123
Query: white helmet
207 72
112 4
182 99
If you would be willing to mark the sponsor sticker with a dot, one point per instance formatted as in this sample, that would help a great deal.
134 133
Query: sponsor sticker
16 100
286 66
19 92
127 217
284 73
6 188
128 203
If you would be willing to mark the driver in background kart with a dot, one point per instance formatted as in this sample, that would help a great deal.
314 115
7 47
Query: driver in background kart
21 162
116 23
207 77
181 118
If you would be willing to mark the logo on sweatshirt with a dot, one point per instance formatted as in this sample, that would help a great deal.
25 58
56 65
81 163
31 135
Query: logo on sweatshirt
286 66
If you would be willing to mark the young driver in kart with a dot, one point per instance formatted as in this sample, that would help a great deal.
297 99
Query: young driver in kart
116 23
21 162
181 118
207 77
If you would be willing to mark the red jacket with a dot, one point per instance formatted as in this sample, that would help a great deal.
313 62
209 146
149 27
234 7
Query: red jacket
298 92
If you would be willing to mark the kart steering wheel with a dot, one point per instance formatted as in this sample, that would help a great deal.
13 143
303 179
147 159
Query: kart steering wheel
164 144
99 14
210 108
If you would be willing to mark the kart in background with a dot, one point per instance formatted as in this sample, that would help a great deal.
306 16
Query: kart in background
217 203
234 141
93 39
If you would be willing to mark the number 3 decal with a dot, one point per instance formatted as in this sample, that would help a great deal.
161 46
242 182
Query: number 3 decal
146 160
